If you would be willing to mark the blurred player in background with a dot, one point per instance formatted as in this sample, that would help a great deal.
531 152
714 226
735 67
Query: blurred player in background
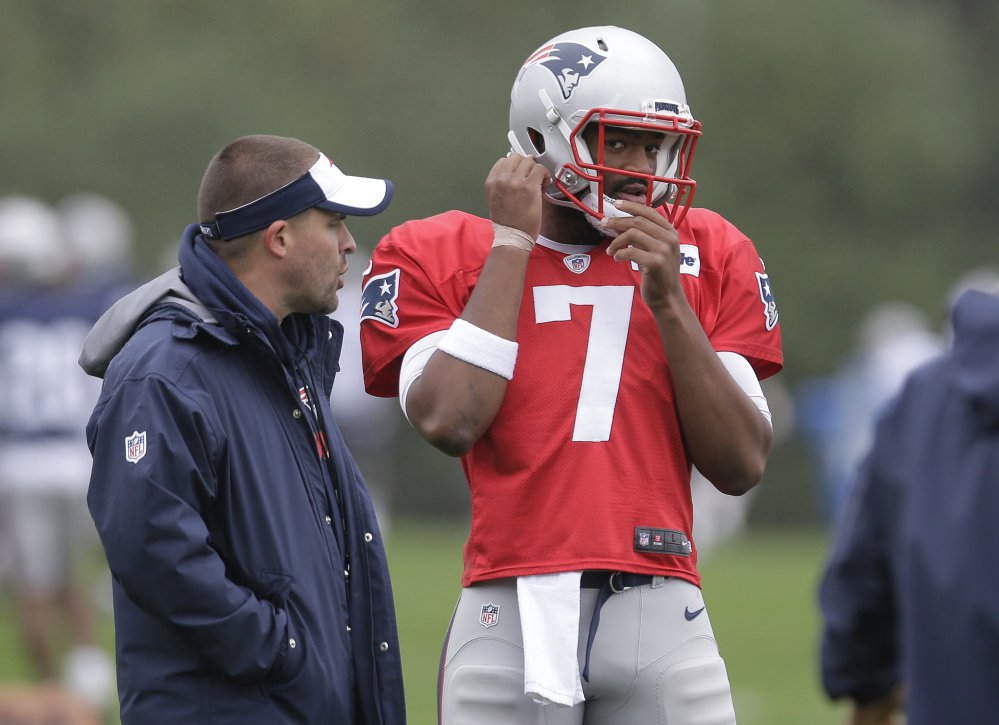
54 289
838 413
909 600
580 350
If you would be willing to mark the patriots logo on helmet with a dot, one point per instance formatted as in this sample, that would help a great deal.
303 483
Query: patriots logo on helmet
767 297
568 62
378 299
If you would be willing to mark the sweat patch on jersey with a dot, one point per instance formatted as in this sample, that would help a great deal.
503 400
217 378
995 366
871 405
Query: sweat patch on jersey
767 297
379 299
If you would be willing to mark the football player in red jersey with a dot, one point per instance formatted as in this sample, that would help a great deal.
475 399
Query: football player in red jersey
581 350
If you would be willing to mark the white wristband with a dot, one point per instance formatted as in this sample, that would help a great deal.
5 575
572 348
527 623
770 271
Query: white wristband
504 236
479 347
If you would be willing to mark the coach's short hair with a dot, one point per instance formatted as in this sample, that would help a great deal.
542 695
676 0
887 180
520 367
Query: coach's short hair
251 167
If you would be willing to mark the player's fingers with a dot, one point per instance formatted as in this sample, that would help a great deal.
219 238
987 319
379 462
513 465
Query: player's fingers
507 164
642 232
518 168
538 175
643 211
500 163
643 259
646 226
521 165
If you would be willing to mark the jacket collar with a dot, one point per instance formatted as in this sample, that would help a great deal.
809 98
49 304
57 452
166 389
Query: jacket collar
234 306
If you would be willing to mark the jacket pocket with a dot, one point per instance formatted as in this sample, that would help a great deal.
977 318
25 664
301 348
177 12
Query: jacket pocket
226 696
275 587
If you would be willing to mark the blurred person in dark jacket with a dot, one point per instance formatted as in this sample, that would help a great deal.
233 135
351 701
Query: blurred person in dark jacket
909 603
250 577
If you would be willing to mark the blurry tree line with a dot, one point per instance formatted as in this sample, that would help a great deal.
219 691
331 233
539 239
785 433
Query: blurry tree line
853 141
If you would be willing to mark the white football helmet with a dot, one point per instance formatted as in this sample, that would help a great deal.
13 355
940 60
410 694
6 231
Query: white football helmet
612 77
32 247
99 233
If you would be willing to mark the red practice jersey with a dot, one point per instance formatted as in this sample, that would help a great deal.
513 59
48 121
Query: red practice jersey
584 466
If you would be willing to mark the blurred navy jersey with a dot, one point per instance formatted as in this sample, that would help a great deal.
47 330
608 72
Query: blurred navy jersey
45 397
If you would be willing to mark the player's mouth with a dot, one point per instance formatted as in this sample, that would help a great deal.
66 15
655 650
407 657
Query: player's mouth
636 191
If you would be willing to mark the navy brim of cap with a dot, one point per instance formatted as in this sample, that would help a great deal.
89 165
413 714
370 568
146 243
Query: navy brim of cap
323 186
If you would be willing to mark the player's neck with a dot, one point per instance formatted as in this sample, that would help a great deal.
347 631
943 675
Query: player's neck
567 225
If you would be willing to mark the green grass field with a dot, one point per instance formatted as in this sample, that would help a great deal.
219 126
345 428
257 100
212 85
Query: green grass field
760 590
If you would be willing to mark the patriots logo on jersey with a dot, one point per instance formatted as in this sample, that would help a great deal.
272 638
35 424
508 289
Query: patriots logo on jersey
568 62
767 297
379 299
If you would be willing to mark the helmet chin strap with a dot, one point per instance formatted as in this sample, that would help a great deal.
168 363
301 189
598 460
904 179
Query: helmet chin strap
515 147
609 210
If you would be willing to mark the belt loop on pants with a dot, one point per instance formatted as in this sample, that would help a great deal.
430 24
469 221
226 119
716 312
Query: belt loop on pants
608 582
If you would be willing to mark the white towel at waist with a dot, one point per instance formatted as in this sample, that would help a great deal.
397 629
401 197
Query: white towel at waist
549 619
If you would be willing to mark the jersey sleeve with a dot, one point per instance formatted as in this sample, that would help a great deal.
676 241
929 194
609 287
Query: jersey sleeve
418 282
747 321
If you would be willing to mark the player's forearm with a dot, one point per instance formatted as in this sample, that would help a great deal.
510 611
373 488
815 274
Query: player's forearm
727 436
494 305
454 402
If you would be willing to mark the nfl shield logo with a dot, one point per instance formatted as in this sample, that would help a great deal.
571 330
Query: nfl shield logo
489 615
577 263
643 538
135 446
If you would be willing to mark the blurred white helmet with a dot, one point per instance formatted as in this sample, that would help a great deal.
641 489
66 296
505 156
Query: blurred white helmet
32 248
99 233
612 77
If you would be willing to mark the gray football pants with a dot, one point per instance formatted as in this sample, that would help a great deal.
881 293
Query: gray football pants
651 662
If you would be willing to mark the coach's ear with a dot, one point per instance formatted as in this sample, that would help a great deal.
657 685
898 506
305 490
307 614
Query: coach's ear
277 239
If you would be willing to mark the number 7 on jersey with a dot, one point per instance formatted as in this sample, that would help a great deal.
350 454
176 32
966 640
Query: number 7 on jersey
604 349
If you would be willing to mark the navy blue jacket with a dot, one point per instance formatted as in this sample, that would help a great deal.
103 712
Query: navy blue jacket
911 594
226 533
